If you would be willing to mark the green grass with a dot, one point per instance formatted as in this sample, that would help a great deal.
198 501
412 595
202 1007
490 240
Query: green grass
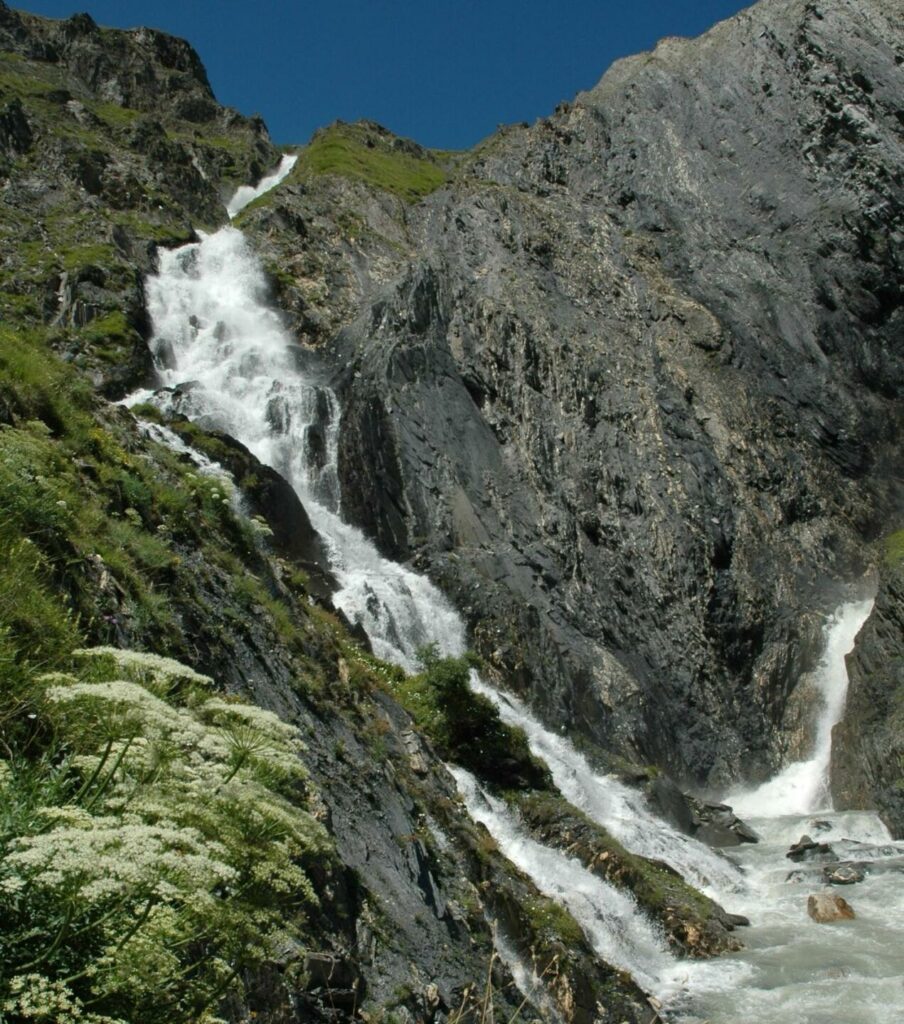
24 83
111 327
87 254
115 115
893 549
550 922
356 152
166 234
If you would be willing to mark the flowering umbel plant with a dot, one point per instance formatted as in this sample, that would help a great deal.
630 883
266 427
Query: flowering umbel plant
157 852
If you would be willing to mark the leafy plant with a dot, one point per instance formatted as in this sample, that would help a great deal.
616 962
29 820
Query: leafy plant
465 726
155 853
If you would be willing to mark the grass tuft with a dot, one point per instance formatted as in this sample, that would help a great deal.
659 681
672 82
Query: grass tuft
380 160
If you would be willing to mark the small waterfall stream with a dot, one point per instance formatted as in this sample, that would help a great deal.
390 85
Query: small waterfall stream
622 811
246 194
849 972
225 360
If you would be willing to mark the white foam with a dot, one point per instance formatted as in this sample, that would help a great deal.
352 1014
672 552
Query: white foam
803 787
246 194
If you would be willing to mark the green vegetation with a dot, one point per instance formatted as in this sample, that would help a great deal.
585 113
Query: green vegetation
893 553
114 115
17 78
465 726
363 154
684 912
117 525
166 233
154 845
551 923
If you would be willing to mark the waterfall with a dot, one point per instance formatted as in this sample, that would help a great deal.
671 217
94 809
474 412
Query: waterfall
225 360
803 787
620 810
248 193
610 919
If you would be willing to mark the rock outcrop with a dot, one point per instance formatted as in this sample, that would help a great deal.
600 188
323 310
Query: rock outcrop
112 536
867 768
624 383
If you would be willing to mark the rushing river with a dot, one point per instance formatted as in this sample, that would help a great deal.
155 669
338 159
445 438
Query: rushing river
225 360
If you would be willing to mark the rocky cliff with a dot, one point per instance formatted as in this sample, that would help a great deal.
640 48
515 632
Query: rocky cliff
868 745
111 145
625 382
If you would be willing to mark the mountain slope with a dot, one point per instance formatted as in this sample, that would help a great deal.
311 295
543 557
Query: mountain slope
113 532
626 385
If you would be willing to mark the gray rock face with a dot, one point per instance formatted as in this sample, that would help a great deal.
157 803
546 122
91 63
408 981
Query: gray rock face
410 885
867 769
626 387
87 74
143 69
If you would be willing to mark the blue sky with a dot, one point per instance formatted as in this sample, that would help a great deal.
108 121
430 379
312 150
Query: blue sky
444 73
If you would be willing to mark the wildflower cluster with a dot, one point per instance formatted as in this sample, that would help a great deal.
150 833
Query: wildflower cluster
169 857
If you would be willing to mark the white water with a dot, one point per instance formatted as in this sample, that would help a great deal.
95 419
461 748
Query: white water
248 193
608 916
850 972
529 983
622 811
802 787
226 361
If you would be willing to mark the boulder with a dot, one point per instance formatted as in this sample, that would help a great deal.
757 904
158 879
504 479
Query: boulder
847 873
806 849
825 907
717 825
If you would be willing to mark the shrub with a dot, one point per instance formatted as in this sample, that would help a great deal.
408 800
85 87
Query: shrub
156 854
466 727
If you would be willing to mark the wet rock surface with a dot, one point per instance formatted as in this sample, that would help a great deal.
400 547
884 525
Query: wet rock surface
693 924
825 908
844 874
867 769
718 825
805 849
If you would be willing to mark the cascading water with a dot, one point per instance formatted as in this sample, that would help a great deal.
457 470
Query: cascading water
225 360
803 787
609 917
246 194
849 972
620 810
